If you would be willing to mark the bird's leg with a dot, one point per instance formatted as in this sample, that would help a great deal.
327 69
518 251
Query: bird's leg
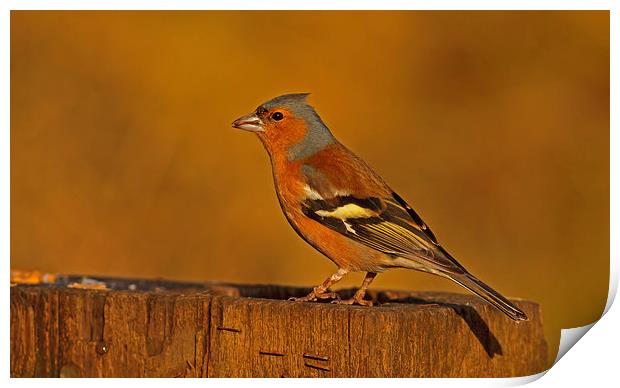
358 298
320 291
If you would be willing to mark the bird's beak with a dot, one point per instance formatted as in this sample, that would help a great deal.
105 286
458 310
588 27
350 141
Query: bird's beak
249 122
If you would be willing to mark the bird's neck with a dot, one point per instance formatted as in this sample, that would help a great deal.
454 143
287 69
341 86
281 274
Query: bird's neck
314 141
309 145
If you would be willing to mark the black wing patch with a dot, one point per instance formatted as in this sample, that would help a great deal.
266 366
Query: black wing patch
331 204
384 225
388 225
416 218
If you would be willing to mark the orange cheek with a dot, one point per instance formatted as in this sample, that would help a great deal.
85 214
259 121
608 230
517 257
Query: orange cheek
278 137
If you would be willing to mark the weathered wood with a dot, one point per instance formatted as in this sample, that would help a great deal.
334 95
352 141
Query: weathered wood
154 328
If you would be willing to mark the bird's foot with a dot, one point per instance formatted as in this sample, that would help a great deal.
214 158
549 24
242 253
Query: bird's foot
314 295
355 300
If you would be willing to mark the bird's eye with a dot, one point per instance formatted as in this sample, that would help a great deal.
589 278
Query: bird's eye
277 116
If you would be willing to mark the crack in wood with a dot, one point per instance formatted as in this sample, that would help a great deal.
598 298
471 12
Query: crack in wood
229 329
276 354
322 368
314 357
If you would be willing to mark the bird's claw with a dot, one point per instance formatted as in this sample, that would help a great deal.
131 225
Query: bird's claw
328 295
314 295
355 300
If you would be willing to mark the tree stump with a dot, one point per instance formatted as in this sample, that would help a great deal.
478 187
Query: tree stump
77 326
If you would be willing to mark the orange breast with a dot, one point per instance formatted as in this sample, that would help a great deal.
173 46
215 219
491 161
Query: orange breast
343 251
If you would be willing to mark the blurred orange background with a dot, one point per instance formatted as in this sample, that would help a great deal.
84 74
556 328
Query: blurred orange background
493 125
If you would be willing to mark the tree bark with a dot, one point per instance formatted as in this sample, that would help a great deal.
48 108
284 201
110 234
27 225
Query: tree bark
78 326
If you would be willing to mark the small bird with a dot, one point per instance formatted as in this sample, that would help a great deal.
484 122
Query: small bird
346 211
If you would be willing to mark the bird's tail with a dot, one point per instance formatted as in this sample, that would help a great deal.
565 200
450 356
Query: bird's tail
490 295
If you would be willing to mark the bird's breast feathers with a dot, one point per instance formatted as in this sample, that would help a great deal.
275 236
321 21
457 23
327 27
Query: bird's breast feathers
341 192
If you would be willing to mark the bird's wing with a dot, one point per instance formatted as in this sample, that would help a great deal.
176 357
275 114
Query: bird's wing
387 224
346 195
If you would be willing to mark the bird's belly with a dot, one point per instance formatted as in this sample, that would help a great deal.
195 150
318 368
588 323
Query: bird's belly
343 251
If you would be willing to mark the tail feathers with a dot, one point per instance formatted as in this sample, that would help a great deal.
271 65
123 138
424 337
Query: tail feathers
490 295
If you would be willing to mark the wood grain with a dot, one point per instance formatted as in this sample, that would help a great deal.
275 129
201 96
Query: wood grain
138 328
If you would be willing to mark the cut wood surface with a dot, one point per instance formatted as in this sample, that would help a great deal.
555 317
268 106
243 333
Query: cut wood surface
102 327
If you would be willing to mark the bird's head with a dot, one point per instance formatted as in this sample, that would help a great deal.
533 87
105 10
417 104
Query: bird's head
288 126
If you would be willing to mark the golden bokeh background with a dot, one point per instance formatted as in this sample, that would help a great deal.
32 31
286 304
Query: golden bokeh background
493 125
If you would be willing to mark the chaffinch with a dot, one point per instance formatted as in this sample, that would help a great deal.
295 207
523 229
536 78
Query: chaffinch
341 207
